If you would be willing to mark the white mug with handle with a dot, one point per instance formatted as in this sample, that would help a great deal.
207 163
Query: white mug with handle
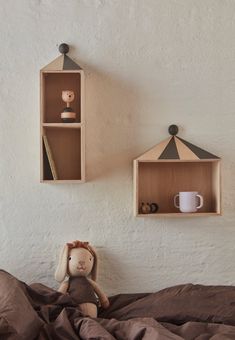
188 201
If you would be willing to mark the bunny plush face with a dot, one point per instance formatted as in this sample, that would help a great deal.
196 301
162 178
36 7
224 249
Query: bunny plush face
80 262
67 96
77 259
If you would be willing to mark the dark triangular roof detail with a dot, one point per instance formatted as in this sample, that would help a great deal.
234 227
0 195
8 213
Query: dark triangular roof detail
170 151
69 64
200 153
176 148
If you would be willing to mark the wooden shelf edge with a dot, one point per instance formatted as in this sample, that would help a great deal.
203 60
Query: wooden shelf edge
61 71
63 125
58 181
180 214
178 160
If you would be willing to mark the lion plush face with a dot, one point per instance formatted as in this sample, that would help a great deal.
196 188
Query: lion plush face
80 262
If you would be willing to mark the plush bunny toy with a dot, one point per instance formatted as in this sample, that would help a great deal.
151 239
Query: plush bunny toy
78 260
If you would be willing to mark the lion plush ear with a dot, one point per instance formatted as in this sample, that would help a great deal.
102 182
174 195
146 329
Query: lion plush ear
94 271
61 269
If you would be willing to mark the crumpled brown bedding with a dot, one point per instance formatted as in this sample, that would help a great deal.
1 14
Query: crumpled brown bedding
181 312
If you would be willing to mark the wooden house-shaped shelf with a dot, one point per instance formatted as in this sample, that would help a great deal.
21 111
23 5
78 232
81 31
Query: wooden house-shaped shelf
172 166
66 141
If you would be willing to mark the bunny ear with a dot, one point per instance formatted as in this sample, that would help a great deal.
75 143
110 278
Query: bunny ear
61 269
94 271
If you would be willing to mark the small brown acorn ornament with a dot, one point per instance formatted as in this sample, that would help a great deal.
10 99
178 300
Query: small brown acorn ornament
68 115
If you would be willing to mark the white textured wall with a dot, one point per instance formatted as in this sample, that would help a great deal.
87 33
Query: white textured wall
149 63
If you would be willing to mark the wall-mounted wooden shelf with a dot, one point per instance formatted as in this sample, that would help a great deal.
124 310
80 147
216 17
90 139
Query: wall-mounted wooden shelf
173 166
66 140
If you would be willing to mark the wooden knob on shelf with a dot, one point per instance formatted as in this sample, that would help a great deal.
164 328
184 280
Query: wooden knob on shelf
64 48
173 129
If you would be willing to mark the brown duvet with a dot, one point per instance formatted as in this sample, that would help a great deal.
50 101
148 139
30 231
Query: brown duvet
180 312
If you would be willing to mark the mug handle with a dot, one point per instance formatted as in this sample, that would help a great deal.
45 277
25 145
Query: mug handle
175 203
201 201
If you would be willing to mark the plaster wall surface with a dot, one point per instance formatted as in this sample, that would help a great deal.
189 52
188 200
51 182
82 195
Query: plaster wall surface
148 64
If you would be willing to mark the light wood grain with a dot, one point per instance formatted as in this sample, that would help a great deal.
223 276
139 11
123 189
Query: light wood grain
216 186
42 110
55 65
63 125
50 158
135 186
154 152
83 122
66 181
184 152
197 214
83 157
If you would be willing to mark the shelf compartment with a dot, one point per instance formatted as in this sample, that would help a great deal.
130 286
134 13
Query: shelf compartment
160 181
53 83
66 149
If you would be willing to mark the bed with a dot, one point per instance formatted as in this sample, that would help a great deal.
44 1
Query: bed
181 312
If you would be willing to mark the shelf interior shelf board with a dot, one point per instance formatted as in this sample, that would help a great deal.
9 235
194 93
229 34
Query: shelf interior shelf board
197 214
63 125
63 181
